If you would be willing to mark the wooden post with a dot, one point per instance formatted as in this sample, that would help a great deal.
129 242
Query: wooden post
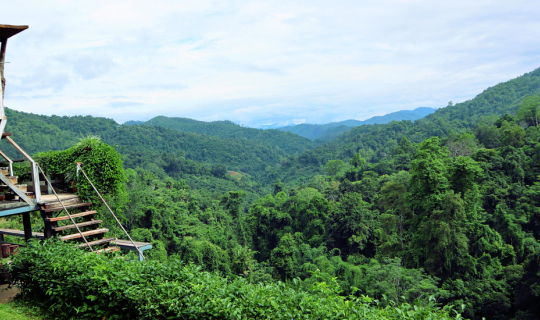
3 118
49 186
48 232
2 79
27 226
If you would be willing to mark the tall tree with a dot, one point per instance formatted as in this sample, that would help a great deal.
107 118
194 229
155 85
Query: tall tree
529 110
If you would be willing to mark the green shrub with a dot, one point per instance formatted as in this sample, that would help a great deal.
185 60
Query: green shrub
100 162
72 284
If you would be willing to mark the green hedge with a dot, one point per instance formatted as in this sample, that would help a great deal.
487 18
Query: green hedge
69 283
100 161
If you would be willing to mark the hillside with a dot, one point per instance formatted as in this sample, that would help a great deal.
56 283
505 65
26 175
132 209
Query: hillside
288 142
377 142
37 133
329 131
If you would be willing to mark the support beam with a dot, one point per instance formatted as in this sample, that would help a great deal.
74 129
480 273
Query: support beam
27 226
18 210
3 118
2 79
48 231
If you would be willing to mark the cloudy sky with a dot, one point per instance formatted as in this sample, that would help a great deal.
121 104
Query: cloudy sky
262 62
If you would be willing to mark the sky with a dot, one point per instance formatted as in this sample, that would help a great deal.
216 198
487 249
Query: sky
262 62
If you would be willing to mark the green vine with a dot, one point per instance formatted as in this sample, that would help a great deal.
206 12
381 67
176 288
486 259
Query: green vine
99 161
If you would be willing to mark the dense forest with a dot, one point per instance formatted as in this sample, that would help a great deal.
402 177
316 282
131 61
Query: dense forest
444 210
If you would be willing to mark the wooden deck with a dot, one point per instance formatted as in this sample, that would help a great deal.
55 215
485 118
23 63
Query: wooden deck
13 207
48 198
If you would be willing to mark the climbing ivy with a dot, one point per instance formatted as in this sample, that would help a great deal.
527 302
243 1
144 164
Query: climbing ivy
100 162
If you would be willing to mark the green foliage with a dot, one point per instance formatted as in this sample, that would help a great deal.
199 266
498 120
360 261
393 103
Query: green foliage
18 311
334 167
99 161
530 108
286 141
94 286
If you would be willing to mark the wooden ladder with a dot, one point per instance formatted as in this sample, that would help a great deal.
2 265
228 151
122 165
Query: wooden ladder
85 221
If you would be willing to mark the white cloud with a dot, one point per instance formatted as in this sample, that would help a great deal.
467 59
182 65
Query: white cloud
258 62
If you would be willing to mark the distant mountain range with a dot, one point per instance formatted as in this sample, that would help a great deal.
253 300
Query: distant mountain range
329 131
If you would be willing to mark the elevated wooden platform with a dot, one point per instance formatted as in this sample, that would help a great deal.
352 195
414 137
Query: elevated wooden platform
49 199
14 207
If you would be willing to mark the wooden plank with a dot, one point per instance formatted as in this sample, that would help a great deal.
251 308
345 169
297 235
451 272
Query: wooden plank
76 215
110 249
51 199
69 206
82 224
20 233
6 134
85 233
97 242
127 245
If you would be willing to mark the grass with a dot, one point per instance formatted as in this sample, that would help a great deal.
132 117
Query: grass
18 311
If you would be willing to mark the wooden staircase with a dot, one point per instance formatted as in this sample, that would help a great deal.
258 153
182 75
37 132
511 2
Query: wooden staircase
9 194
57 223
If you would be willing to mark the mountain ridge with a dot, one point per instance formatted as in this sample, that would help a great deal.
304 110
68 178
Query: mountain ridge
329 131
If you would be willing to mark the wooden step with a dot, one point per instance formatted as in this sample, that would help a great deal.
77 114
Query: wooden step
53 200
76 215
68 206
97 242
5 171
109 249
22 187
13 179
82 224
85 233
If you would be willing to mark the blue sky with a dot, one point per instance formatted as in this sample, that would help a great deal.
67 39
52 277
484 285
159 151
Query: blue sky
262 62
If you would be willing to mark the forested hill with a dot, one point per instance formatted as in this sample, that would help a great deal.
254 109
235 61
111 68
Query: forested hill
289 142
329 131
377 142
37 133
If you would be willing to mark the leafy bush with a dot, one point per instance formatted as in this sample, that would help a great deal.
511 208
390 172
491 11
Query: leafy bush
101 163
70 283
